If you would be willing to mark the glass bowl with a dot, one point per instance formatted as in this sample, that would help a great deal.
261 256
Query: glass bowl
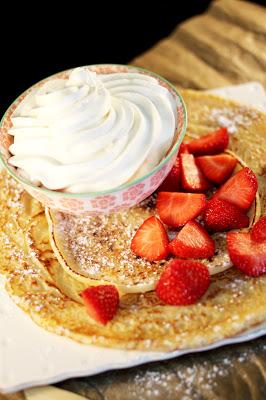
106 201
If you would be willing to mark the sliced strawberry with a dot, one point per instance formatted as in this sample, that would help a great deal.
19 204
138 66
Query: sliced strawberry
246 254
172 181
176 209
258 232
192 178
217 168
240 189
101 302
151 240
213 143
192 242
220 215
183 148
183 282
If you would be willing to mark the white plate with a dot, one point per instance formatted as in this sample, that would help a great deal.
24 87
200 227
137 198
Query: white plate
30 356
251 93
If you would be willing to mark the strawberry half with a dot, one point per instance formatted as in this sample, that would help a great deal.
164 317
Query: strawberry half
258 232
192 242
192 178
176 209
101 302
220 215
240 189
151 240
172 181
183 148
183 282
213 143
246 254
217 168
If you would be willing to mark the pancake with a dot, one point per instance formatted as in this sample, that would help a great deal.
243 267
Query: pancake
96 249
51 296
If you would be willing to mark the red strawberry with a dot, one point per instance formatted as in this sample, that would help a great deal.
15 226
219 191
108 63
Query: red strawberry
183 282
151 240
176 209
101 302
171 182
183 148
240 189
213 143
192 178
192 242
246 254
258 232
220 215
217 168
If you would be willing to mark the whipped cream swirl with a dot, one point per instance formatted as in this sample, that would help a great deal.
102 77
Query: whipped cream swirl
92 132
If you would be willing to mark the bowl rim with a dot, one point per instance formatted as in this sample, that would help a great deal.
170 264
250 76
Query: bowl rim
117 188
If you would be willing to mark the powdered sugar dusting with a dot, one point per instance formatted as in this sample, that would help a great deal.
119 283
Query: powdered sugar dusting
12 192
228 118
189 380
98 247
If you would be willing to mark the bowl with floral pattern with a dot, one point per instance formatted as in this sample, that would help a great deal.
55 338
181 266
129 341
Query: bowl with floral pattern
105 201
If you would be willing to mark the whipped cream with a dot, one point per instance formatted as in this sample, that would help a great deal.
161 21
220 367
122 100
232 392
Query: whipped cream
92 132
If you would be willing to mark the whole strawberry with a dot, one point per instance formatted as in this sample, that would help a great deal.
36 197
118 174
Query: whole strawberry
183 282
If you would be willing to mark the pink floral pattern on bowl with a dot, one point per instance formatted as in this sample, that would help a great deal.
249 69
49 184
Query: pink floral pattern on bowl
133 192
73 204
104 202
159 177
